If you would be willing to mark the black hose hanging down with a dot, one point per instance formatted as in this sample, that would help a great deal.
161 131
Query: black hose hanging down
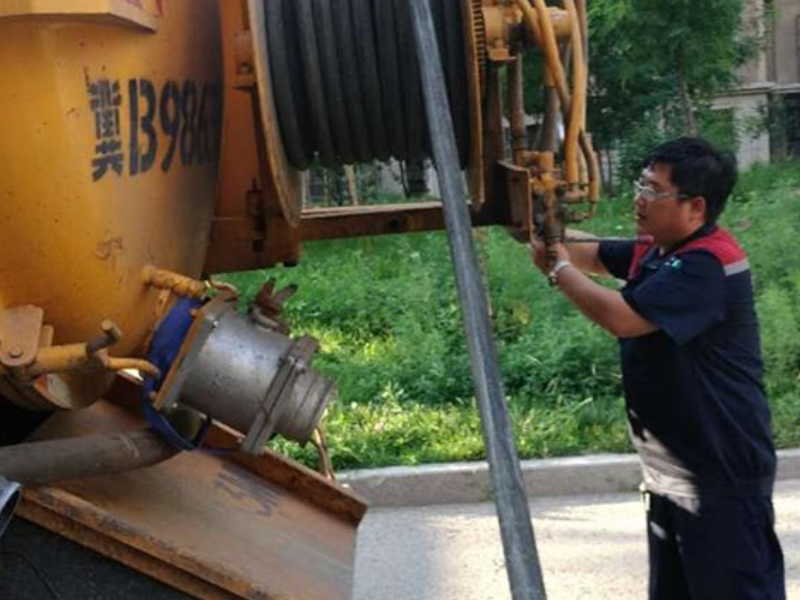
519 544
346 79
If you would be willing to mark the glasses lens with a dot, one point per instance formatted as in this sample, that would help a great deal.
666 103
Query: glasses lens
644 191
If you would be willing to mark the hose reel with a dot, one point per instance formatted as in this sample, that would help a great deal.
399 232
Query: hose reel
339 83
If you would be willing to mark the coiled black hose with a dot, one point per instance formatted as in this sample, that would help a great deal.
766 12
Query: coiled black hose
346 80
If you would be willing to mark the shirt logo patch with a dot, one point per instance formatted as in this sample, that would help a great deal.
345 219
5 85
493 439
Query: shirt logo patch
674 263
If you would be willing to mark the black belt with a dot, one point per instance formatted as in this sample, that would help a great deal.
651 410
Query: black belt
762 486
749 488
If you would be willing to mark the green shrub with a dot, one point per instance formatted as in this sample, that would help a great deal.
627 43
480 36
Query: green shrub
387 315
780 328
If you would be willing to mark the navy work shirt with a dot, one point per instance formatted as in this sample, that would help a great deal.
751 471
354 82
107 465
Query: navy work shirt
696 405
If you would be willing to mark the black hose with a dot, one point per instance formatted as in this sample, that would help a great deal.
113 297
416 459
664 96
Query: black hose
519 544
289 98
351 82
346 80
51 461
364 28
313 82
457 67
332 78
391 88
416 132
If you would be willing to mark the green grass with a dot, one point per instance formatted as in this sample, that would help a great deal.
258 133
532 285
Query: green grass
386 313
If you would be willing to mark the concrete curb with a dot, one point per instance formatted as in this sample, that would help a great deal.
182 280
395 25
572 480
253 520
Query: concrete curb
462 483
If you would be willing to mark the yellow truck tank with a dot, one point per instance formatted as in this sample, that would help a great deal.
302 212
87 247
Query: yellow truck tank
110 152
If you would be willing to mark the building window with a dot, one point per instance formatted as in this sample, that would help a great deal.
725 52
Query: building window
792 107
797 42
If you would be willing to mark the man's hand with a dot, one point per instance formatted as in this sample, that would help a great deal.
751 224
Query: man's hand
545 260
605 307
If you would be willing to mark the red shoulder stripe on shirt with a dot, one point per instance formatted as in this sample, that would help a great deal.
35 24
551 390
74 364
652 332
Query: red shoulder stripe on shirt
721 244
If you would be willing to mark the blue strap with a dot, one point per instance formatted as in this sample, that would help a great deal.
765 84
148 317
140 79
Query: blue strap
164 348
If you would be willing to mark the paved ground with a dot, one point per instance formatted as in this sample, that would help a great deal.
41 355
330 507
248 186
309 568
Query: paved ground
592 548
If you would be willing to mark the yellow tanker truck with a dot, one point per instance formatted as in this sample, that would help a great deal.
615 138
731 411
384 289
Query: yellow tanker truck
148 144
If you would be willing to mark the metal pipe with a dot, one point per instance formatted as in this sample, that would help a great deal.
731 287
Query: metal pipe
522 561
594 170
516 109
495 145
41 463
537 20
580 72
642 239
556 73
547 140
583 20
174 282
9 498
589 154
576 108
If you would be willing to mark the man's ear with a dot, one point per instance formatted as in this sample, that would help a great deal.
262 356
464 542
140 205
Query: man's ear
698 207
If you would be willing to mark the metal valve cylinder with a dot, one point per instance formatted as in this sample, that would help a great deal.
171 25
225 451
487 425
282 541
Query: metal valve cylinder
254 378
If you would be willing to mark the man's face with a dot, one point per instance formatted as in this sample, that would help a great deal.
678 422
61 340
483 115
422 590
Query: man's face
662 211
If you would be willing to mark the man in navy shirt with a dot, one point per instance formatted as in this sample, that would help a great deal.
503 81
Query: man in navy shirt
692 374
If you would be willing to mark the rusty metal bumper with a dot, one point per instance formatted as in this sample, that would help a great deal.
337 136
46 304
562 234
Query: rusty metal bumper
211 524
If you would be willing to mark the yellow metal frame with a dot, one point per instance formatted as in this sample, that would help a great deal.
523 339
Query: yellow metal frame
76 241
288 182
581 169
136 13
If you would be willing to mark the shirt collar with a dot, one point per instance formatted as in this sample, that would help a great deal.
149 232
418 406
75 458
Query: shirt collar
652 260
702 231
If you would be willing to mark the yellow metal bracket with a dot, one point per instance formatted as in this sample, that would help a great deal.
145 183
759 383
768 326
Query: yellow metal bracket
20 335
26 350
500 20
503 20
245 73
94 353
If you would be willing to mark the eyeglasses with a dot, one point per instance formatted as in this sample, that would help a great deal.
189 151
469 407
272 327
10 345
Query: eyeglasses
650 195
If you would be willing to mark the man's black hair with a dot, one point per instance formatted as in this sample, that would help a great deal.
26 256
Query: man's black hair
698 169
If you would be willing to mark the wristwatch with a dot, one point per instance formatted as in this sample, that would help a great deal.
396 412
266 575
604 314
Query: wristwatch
552 276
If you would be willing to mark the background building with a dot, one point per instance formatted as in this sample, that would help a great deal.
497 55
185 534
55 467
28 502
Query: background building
769 86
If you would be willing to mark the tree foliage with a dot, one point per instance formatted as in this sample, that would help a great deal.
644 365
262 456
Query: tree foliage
656 62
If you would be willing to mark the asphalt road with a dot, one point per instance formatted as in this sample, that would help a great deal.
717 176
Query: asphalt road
591 548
